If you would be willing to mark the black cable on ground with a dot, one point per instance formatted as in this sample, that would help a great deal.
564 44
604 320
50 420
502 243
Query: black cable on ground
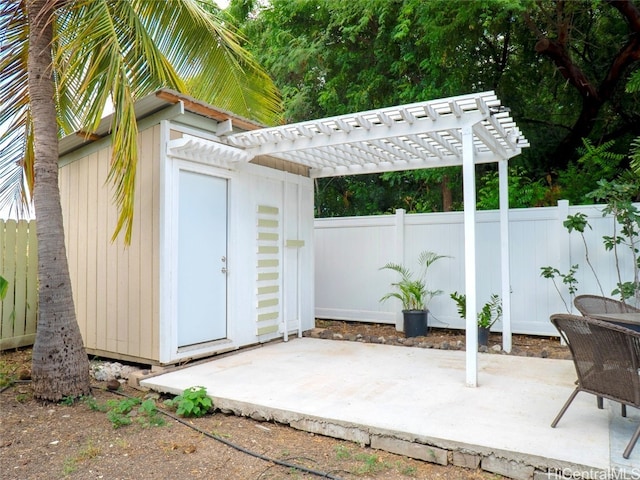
238 447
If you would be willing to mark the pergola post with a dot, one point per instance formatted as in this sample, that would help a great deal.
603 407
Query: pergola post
503 175
469 193
463 130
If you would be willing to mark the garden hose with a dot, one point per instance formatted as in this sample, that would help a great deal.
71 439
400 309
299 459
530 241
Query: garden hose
238 447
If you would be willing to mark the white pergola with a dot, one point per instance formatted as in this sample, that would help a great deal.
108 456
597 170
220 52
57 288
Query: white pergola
463 130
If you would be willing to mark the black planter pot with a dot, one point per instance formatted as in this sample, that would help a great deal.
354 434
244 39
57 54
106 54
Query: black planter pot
415 323
483 336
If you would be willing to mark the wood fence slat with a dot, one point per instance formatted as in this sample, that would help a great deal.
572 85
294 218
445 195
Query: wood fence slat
9 272
19 265
20 302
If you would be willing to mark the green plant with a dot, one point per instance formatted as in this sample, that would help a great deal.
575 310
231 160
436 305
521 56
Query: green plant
489 314
7 374
121 413
88 452
93 404
4 287
68 401
568 279
412 290
342 452
618 196
371 464
192 403
150 414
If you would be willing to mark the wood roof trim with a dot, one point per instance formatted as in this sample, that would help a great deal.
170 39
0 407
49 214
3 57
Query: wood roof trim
203 109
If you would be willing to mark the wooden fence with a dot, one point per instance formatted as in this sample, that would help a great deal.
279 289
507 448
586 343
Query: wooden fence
19 266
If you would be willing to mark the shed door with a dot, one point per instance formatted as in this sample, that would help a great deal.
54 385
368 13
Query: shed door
202 254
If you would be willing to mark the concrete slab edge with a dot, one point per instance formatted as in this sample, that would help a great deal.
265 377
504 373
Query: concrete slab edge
517 466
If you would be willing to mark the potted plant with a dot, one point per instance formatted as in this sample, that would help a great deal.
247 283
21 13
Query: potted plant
490 313
412 291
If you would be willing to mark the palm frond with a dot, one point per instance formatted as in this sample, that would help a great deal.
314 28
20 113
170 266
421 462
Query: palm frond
207 53
124 50
16 145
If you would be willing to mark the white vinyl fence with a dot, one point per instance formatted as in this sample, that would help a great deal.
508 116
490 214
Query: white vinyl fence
350 251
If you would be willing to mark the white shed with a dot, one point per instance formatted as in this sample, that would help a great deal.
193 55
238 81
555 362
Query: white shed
221 252
224 218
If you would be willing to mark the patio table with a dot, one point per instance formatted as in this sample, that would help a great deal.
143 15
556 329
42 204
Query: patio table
629 320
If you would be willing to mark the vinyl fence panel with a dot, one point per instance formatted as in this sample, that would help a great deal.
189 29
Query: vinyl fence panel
350 251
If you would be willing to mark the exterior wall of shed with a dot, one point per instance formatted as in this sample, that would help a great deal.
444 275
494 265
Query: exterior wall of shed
124 296
270 279
116 288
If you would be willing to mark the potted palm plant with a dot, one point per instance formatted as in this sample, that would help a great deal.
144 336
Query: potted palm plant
490 313
412 291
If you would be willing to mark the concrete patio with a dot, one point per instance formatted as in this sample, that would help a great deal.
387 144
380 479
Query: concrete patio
414 401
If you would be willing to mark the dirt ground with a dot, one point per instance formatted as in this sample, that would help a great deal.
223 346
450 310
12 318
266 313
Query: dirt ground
79 440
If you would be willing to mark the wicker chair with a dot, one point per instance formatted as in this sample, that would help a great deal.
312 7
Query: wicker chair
588 304
607 358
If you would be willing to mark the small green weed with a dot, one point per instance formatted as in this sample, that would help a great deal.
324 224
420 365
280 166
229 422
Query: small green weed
88 452
23 397
192 403
150 413
93 404
408 470
372 464
69 466
342 452
7 374
121 413
68 401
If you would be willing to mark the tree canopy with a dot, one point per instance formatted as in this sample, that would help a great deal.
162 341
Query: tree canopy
561 66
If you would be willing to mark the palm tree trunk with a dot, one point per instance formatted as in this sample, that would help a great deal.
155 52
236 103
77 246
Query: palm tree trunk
60 365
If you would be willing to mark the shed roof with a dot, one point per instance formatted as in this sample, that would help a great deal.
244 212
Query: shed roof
419 135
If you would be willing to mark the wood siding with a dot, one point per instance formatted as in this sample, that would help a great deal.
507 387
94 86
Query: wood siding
115 287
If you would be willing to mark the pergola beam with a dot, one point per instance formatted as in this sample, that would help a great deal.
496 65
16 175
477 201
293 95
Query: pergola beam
457 131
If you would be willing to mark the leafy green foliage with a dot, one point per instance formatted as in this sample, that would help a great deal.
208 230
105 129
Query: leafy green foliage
569 279
523 191
123 412
619 203
412 291
596 162
490 313
122 51
4 287
193 402
330 57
